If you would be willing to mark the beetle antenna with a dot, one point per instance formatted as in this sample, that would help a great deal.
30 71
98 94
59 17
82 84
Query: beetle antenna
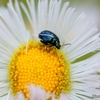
66 44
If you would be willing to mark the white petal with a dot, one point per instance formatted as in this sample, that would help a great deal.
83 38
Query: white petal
20 96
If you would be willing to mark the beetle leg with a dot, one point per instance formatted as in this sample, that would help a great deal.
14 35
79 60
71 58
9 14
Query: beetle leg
50 45
44 42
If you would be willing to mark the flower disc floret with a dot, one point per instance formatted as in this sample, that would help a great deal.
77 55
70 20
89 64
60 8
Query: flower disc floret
41 65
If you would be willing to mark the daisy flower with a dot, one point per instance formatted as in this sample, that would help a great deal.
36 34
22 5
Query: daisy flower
34 69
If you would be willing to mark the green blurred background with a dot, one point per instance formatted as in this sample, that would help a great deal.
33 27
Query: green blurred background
73 2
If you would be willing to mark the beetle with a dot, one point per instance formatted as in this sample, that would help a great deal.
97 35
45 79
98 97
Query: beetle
47 37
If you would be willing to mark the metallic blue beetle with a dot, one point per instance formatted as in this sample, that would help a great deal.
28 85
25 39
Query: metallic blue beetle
48 37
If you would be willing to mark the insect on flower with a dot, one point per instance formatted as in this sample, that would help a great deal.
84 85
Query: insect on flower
32 71
47 37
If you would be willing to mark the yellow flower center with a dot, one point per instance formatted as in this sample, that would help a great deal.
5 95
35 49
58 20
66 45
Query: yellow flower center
41 65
